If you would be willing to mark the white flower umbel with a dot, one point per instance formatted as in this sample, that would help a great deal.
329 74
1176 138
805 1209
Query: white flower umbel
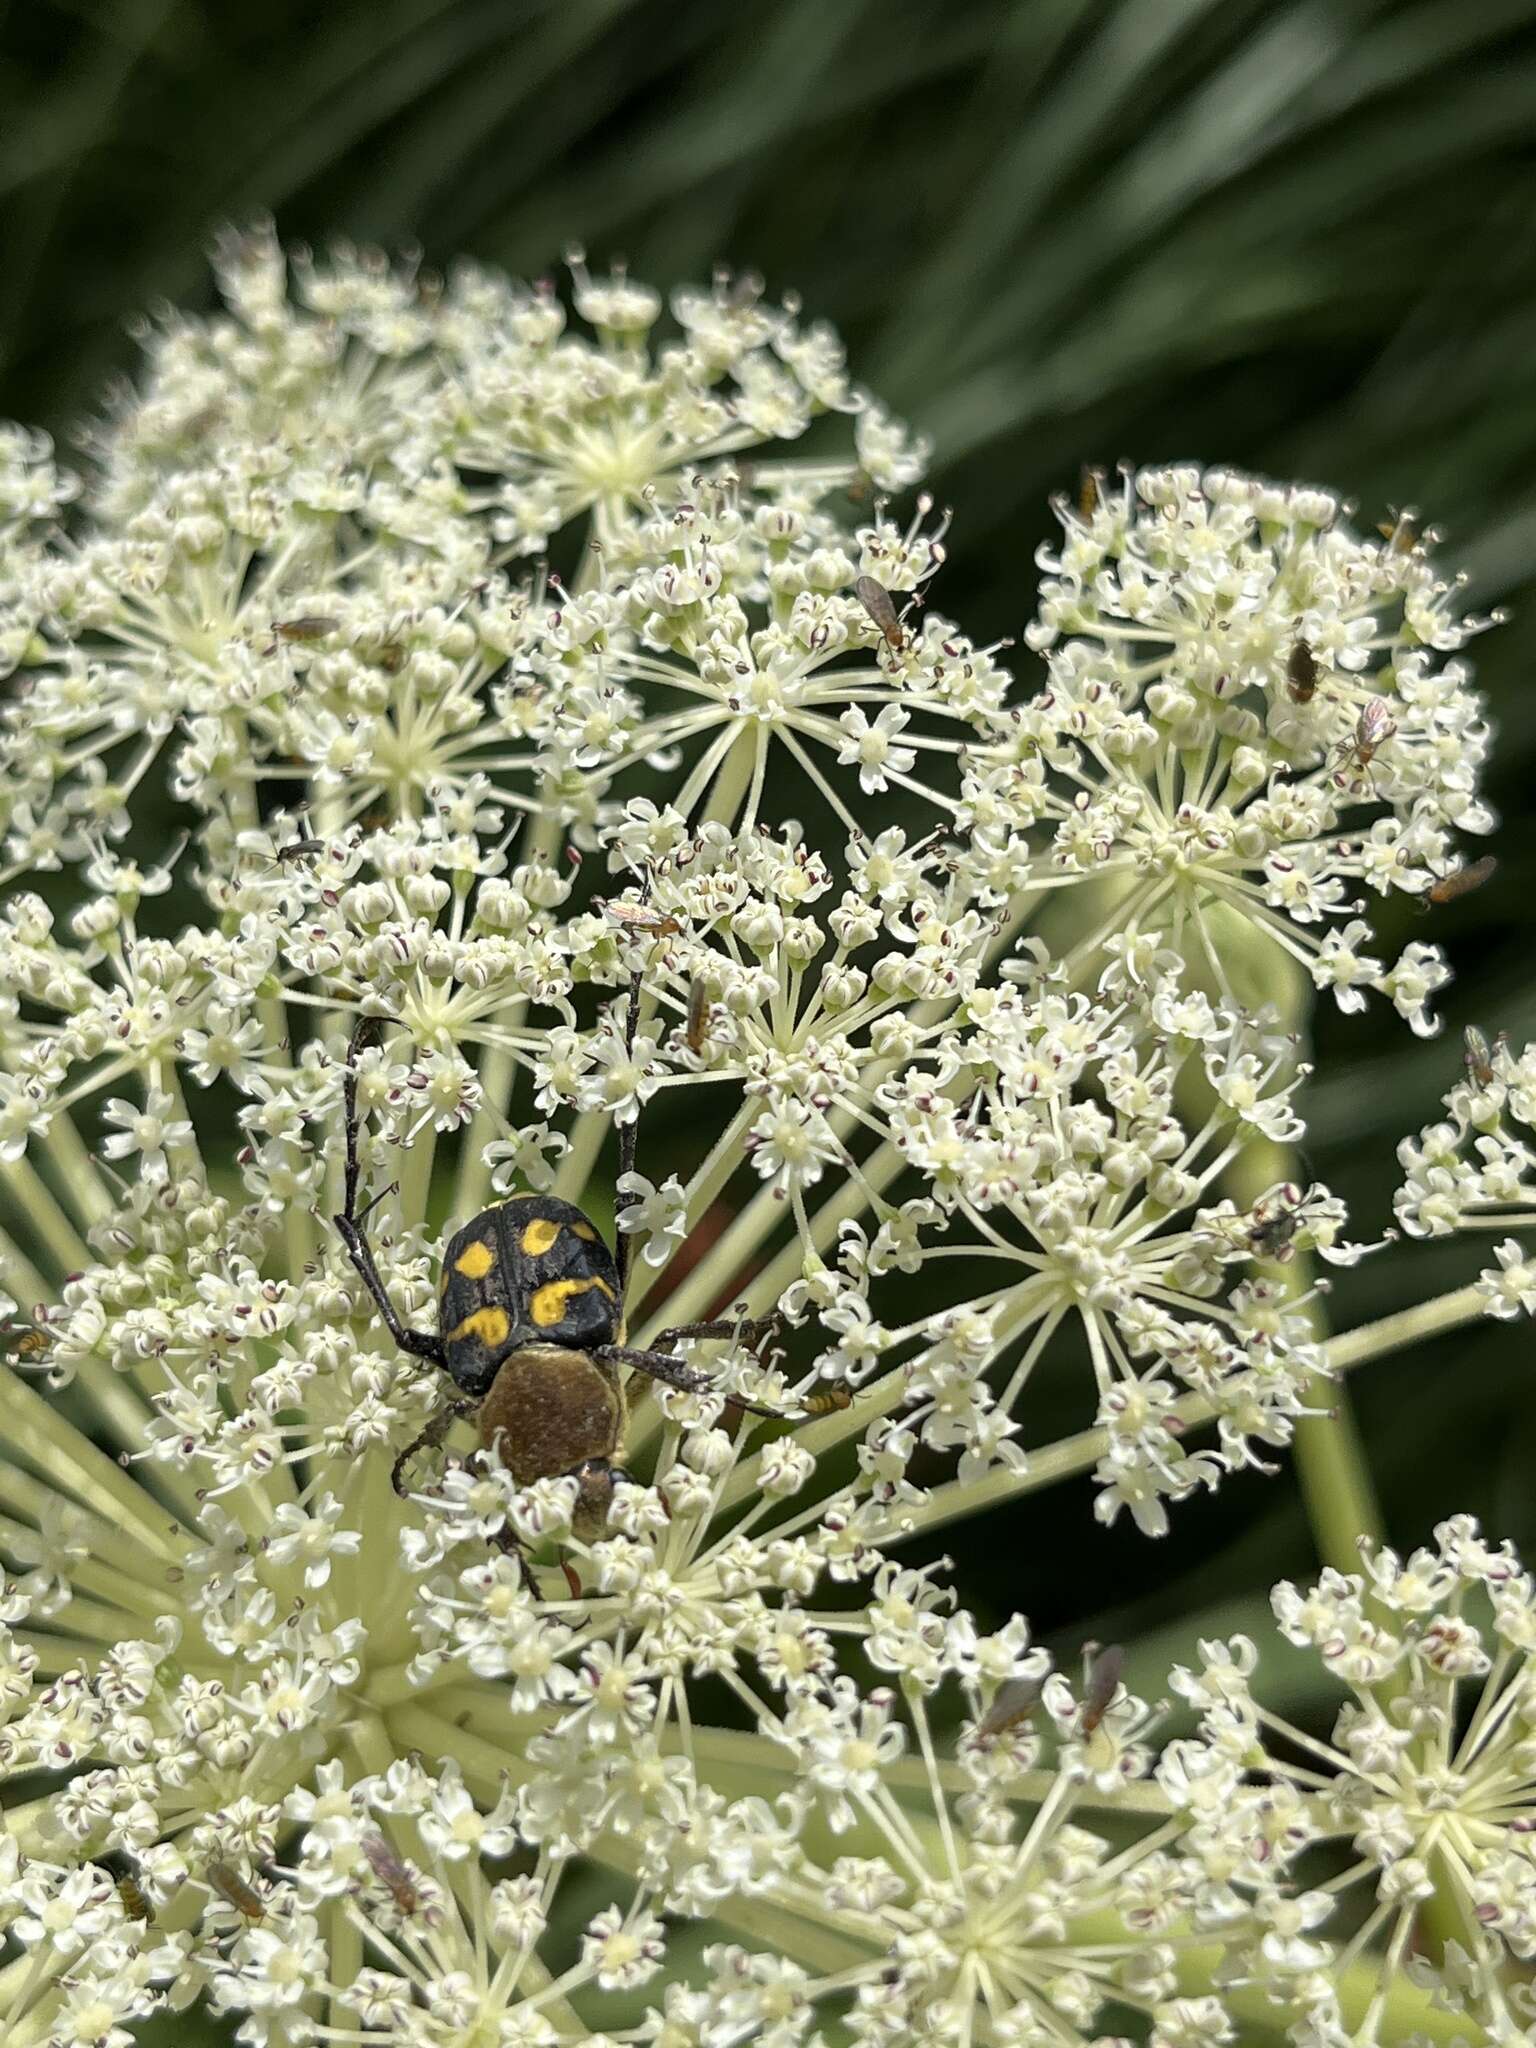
1423 1793
1053 1149
301 738
1247 718
1477 1170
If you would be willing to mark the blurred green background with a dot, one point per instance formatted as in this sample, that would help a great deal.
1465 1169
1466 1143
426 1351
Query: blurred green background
1299 237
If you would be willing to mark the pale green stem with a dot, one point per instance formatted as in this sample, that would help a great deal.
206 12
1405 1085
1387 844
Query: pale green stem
78 1170
32 1428
416 1177
1335 1479
19 1277
53 1229
703 1190
732 780
580 1157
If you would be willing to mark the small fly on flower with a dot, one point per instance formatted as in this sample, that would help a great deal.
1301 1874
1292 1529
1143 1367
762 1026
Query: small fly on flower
1461 881
234 1891
1089 484
308 626
1100 1687
392 1874
1273 1229
695 1028
134 1902
1478 1055
294 852
880 605
1016 1700
24 1341
1301 673
641 918
1373 728
1400 532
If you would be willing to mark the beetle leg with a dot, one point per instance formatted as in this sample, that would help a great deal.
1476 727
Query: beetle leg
350 1225
748 1330
430 1437
509 1546
660 1365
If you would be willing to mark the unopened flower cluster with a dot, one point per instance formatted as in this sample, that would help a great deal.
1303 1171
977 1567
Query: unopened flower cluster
304 728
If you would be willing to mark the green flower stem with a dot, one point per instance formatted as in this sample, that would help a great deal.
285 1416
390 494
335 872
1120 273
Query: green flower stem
19 1277
78 1170
1331 1467
581 1155
949 1503
732 780
416 1177
32 1198
36 1431
704 1188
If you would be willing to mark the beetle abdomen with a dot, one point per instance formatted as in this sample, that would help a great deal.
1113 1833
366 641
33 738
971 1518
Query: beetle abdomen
552 1408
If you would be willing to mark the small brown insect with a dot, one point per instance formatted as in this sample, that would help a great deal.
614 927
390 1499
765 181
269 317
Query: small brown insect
392 1874
1461 881
1478 1057
877 601
1401 532
24 1340
297 850
641 918
308 626
135 1904
698 1016
234 1891
1373 728
1088 491
1017 1699
1301 673
1100 1687
1273 1229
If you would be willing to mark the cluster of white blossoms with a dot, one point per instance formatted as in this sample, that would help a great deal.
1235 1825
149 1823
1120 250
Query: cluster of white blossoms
407 653
1476 1169
1420 1808
1248 719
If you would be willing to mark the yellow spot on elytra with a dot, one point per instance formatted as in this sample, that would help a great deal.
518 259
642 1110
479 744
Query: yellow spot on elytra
539 1236
475 1261
490 1325
585 1232
547 1304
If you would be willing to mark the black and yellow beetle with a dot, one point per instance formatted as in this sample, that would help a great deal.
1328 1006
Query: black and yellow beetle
531 1331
